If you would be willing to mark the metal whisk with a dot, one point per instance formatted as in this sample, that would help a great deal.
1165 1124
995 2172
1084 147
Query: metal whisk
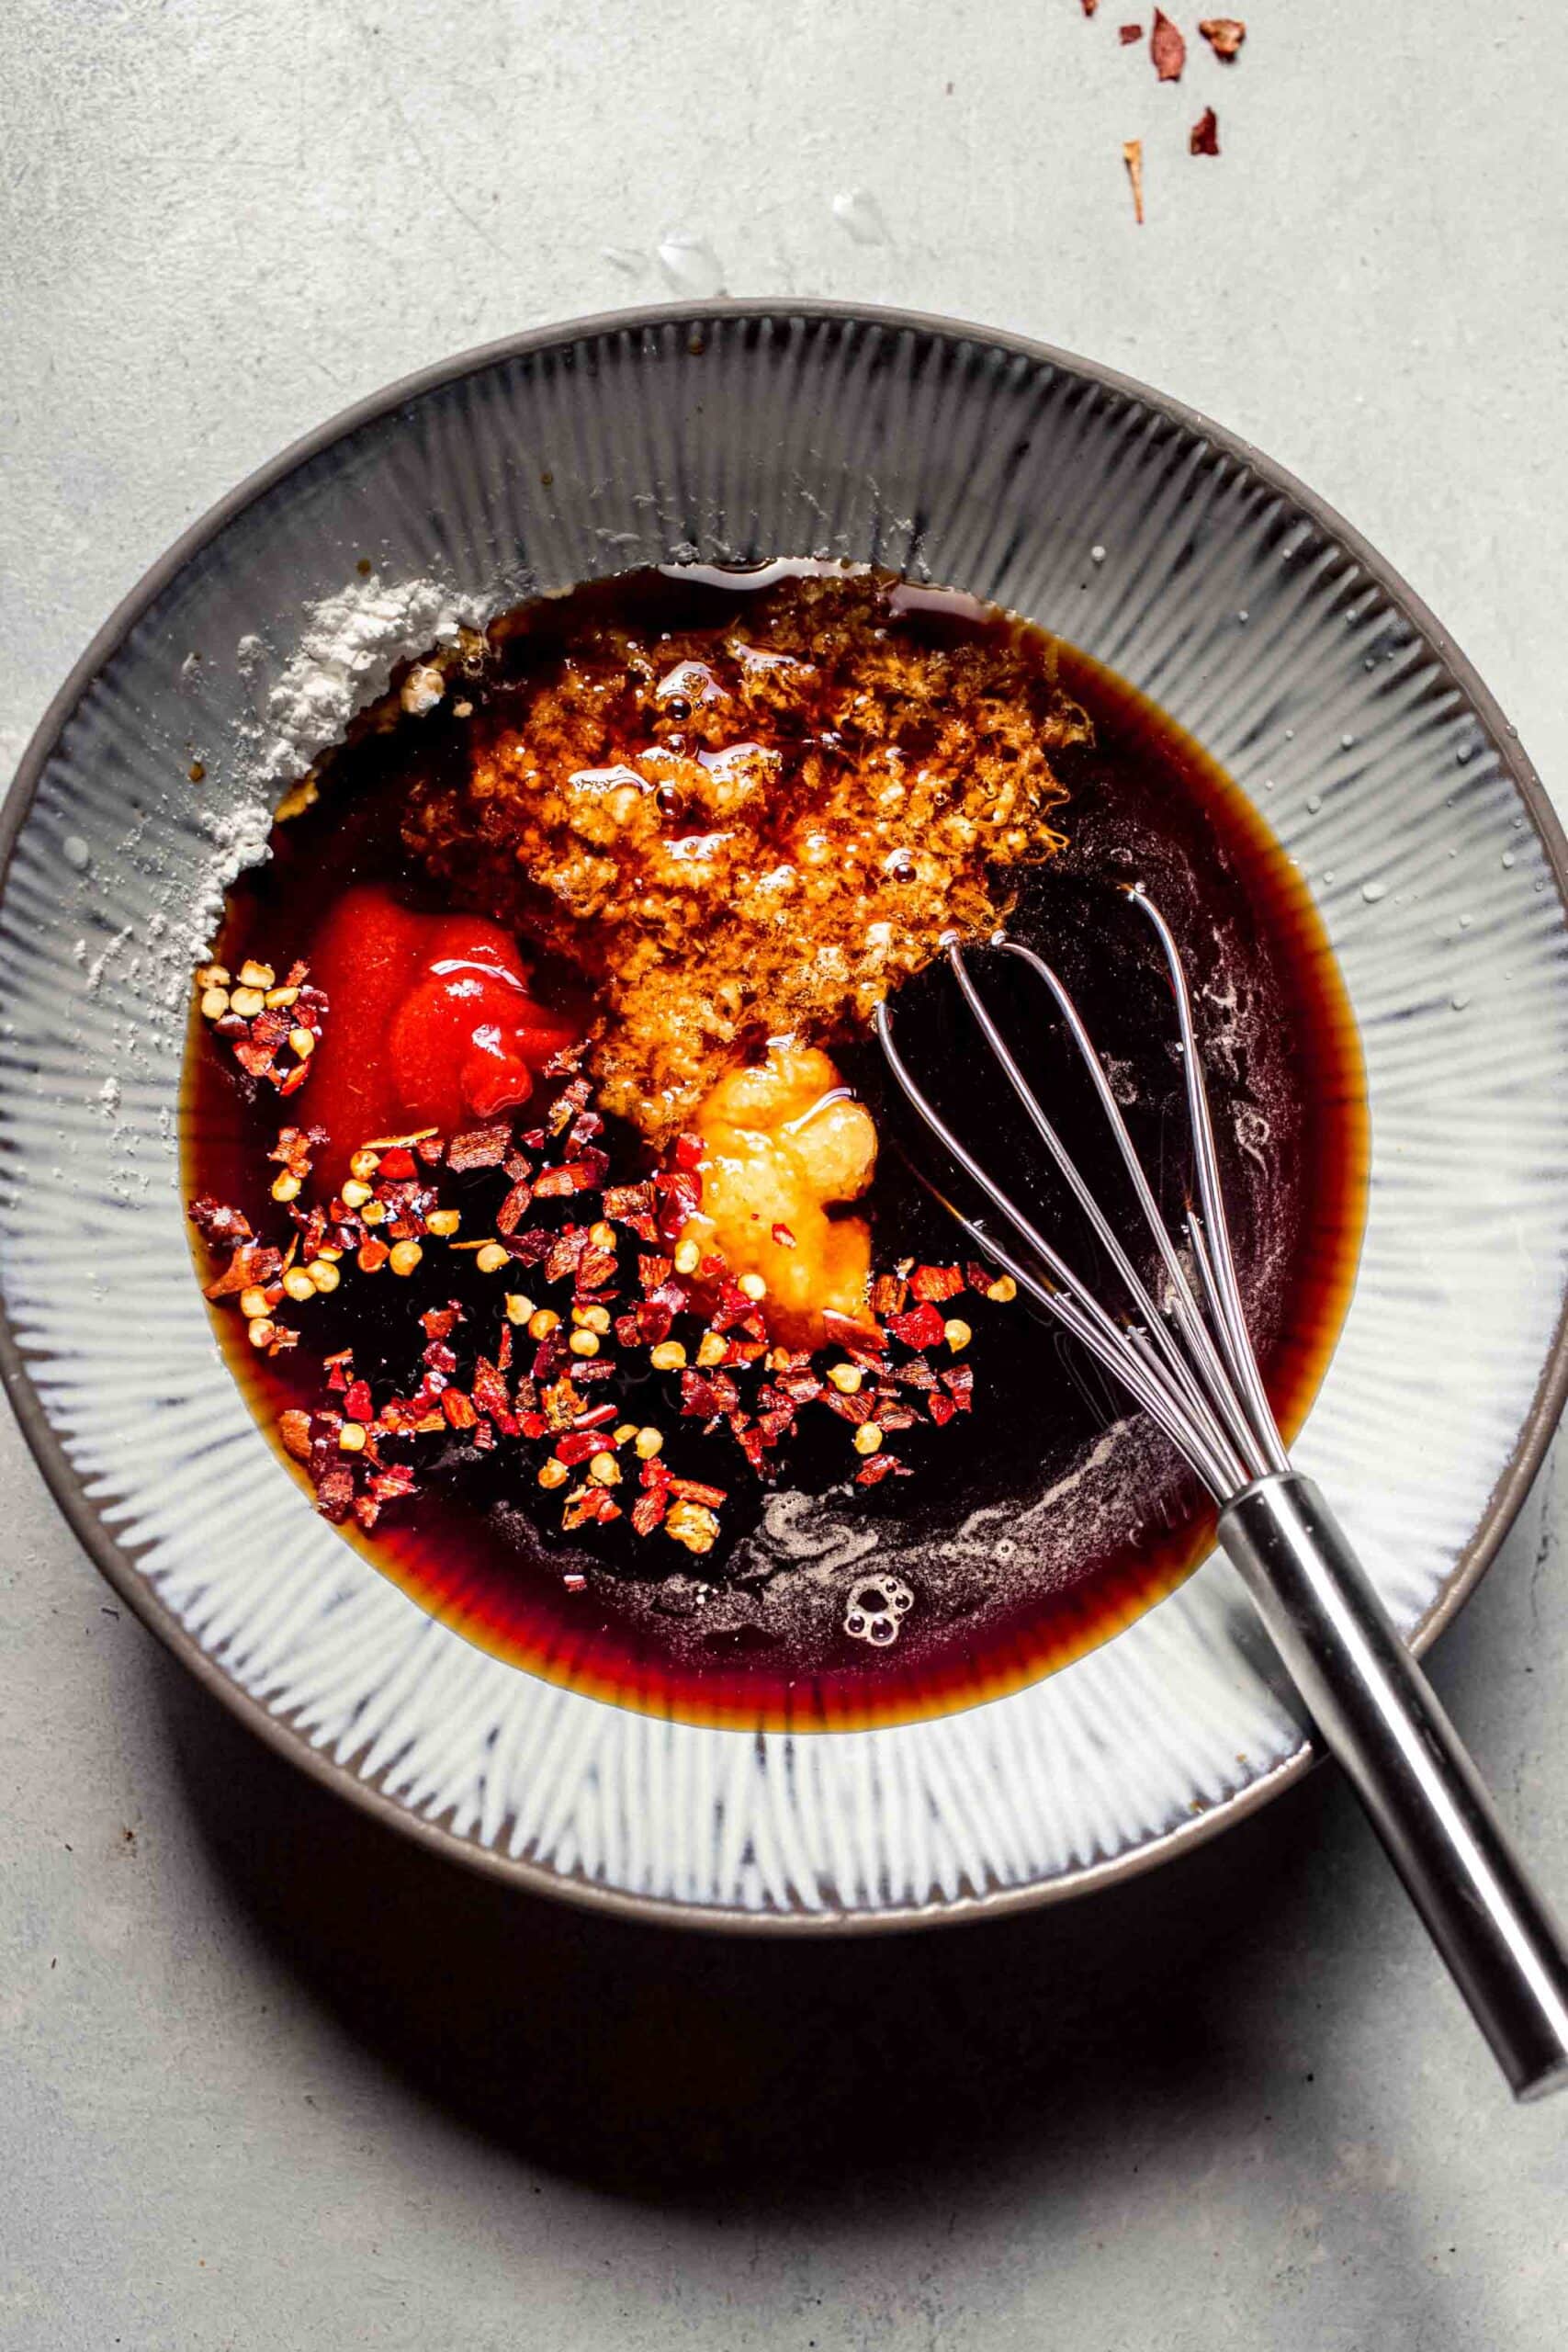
1186 1358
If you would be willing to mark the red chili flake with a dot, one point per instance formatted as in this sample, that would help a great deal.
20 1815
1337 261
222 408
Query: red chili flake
1167 47
1225 35
892 1414
625 1204
576 1447
589 1506
531 1246
649 1512
584 1128
680 1191
650 1323
940 1409
440 1358
561 1403
564 1253
688 1151
397 1166
534 1425
295 1146
735 1309
459 1409
294 1429
254 1060
744 1351
560 1183
371 1256
960 1383
783 1237
566 1104
1090 7
220 1227
654 1272
749 1438
853 1409
509 1215
489 1390
440 1322
691 1491
597 1270
357 1402
475 1147
1128 34
366 1509
503 1350
334 1492
596 1417
801 1387
1203 139
932 1284
888 1295
880 1467
775 1423
1132 156
252 1265
921 1327
395 1480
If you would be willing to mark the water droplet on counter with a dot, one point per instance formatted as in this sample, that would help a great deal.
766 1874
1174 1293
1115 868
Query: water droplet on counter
857 211
1244 618
1097 554
1373 891
1346 742
626 258
1507 861
1459 1002
691 264
75 852
1314 803
1465 922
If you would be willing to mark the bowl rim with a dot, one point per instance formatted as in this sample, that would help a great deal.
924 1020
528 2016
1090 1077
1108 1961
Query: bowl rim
117 1565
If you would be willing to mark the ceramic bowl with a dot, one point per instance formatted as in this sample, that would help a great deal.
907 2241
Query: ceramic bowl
1158 542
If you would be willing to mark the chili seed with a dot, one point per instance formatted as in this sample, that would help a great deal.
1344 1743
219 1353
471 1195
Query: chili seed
518 1309
592 1318
602 1236
604 1470
355 1195
956 1332
1002 1289
868 1437
213 976
214 1003
285 1187
302 1042
688 1257
491 1258
711 1350
374 1212
279 1000
542 1322
553 1473
252 1301
845 1377
351 1438
405 1256
324 1275
247 1003
364 1163
584 1343
261 1333
257 976
649 1442
299 1285
753 1285
625 1433
668 1356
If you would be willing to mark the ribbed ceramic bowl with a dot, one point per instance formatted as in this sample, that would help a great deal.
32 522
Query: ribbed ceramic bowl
1161 545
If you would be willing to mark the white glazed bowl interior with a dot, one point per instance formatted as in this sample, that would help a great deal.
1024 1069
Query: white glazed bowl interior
1166 548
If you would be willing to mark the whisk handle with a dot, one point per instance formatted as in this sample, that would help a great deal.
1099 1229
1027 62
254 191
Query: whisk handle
1379 1717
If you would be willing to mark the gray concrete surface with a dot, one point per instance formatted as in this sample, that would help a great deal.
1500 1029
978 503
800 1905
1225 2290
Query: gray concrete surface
268 2081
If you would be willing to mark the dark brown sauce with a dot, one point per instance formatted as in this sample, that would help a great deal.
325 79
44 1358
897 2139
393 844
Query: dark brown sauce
1024 1538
